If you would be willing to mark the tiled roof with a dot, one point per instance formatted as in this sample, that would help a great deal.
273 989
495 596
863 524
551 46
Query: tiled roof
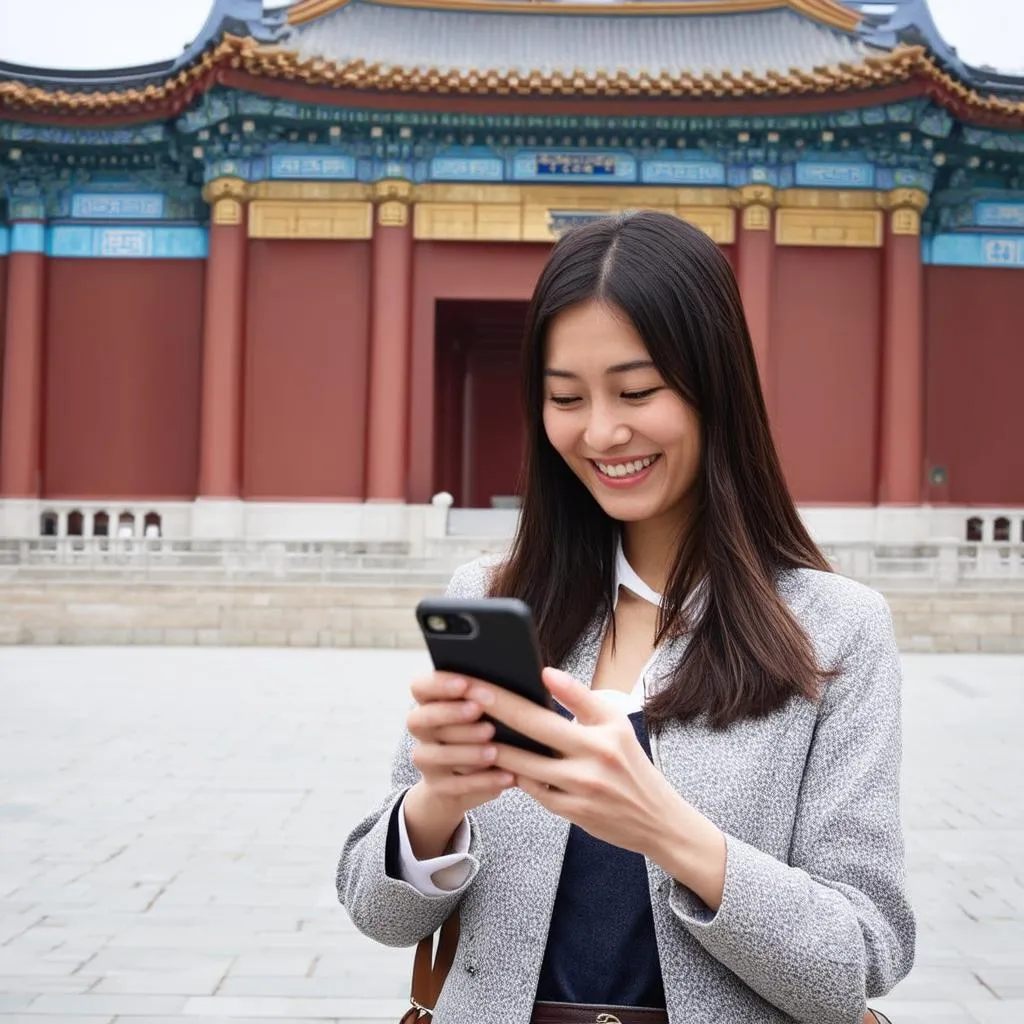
227 17
833 13
454 39
751 58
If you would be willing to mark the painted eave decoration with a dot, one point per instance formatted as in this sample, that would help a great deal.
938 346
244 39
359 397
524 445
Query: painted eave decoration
219 55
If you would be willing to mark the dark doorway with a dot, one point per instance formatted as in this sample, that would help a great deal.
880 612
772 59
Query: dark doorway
479 427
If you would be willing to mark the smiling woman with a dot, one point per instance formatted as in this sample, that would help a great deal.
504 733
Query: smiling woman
719 838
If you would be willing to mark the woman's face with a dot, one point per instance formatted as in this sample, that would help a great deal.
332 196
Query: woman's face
632 440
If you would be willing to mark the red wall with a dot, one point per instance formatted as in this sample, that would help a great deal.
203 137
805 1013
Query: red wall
497 439
824 364
3 323
307 344
122 378
975 365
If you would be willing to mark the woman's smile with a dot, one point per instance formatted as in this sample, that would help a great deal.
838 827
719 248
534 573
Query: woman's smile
625 472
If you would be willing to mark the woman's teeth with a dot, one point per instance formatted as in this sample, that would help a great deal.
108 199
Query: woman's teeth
625 468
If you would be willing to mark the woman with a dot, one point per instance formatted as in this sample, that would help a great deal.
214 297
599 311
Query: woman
720 840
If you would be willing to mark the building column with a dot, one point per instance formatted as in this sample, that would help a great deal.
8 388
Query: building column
901 462
21 404
390 321
756 269
220 432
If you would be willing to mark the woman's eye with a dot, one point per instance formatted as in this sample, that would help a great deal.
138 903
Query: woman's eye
564 399
637 396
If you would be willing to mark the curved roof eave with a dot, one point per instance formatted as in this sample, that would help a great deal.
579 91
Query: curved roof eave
911 22
244 18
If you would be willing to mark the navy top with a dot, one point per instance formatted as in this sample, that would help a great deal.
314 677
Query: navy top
601 944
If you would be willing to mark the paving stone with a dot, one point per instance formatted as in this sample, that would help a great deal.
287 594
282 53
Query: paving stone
49 1018
172 817
293 1008
97 1005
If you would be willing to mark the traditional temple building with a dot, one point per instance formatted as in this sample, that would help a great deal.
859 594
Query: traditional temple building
285 273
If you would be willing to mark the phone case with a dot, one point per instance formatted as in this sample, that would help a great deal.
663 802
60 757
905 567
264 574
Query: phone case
502 649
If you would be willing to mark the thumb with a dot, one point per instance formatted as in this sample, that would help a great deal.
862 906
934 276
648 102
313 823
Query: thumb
585 706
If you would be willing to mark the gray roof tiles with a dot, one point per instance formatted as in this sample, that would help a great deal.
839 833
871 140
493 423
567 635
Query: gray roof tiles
655 44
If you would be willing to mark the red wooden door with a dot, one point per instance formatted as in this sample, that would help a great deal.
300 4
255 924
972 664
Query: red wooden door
493 433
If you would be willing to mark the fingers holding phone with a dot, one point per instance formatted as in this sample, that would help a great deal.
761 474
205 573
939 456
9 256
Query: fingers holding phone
450 736
455 759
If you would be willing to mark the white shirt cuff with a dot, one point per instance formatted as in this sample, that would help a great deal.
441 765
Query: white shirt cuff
438 876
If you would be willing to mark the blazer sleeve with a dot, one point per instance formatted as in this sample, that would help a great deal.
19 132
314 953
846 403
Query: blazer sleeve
384 907
834 926
381 904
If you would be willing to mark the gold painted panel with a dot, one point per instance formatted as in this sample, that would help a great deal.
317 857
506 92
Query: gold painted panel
499 222
440 222
270 218
719 224
835 228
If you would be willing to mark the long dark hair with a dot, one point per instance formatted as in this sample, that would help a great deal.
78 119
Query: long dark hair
746 655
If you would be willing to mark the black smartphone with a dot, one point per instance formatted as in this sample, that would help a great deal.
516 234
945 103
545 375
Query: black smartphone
489 638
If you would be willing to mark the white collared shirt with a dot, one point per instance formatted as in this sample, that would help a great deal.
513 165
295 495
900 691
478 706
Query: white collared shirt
440 875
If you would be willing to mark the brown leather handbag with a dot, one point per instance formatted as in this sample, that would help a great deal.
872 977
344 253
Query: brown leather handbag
430 969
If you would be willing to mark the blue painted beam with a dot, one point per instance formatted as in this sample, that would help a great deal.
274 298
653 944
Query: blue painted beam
127 242
974 250
28 238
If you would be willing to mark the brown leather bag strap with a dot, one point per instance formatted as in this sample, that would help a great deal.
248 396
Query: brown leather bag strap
429 970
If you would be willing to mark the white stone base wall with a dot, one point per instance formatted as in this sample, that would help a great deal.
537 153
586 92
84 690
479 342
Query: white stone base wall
382 616
419 526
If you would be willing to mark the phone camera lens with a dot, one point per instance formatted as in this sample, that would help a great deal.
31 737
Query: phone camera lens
461 625
437 623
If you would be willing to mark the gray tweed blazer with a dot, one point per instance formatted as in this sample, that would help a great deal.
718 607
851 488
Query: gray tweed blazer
815 916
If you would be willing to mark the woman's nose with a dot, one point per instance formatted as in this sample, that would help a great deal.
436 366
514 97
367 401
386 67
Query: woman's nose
605 431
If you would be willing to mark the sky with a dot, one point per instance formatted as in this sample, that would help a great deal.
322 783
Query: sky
120 33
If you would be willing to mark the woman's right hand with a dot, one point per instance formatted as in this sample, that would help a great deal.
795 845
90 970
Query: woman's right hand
455 758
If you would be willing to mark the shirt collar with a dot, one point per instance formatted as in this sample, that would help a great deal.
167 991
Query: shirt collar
626 576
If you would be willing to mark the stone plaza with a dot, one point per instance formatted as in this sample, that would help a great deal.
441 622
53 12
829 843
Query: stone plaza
170 821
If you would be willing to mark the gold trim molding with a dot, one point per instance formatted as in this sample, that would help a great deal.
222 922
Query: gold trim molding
298 219
835 228
313 191
830 199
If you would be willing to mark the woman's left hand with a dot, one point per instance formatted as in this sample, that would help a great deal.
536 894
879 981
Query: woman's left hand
604 782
